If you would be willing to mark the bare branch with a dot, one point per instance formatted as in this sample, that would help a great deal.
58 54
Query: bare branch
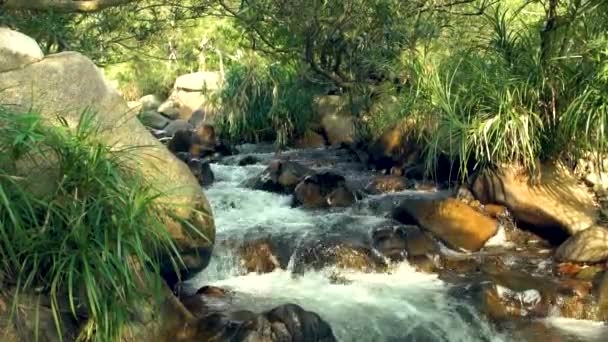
82 6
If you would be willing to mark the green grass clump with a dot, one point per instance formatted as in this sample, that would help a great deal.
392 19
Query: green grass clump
97 239
264 102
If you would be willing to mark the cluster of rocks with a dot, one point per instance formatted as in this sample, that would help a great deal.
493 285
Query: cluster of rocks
218 320
310 189
69 83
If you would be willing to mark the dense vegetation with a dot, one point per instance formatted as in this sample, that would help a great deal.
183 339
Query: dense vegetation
87 233
484 80
501 80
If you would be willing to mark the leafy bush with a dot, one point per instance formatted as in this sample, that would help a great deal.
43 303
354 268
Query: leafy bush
264 102
97 239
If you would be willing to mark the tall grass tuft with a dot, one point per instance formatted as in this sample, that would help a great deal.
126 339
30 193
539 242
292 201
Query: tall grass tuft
95 242
264 102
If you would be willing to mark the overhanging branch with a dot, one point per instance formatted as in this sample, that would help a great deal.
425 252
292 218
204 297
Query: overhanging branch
82 6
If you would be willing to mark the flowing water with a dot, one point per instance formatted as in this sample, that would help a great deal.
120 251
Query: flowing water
399 305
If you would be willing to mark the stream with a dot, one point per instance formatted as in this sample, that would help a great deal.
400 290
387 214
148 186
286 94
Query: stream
398 305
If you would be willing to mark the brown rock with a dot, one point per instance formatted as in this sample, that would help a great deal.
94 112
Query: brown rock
69 82
335 119
323 190
258 256
396 146
191 92
280 176
587 246
452 221
557 201
603 298
310 139
384 184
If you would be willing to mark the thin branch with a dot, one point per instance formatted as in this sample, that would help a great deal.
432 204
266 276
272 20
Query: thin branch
82 6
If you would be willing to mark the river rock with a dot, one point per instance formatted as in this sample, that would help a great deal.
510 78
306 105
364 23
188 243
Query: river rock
153 120
310 139
259 256
557 203
178 125
170 109
603 297
335 119
66 84
396 241
587 246
452 221
317 255
323 190
396 146
191 92
150 103
280 176
17 50
384 184
202 171
501 302
197 118
248 160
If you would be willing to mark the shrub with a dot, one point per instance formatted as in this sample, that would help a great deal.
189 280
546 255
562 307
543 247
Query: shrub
264 102
97 239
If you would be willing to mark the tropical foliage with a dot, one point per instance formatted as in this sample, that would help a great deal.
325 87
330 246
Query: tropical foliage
93 234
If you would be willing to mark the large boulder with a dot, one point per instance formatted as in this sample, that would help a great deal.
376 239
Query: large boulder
554 202
452 221
65 84
280 176
335 119
191 93
17 50
587 246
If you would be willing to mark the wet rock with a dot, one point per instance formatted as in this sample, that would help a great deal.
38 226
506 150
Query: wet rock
153 120
340 254
300 325
323 190
218 321
587 246
258 256
248 160
396 241
452 221
202 171
280 176
384 184
197 118
501 303
555 205
176 126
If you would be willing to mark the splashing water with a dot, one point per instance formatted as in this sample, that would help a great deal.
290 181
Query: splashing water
399 305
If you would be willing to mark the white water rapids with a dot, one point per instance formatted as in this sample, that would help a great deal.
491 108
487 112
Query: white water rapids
401 305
